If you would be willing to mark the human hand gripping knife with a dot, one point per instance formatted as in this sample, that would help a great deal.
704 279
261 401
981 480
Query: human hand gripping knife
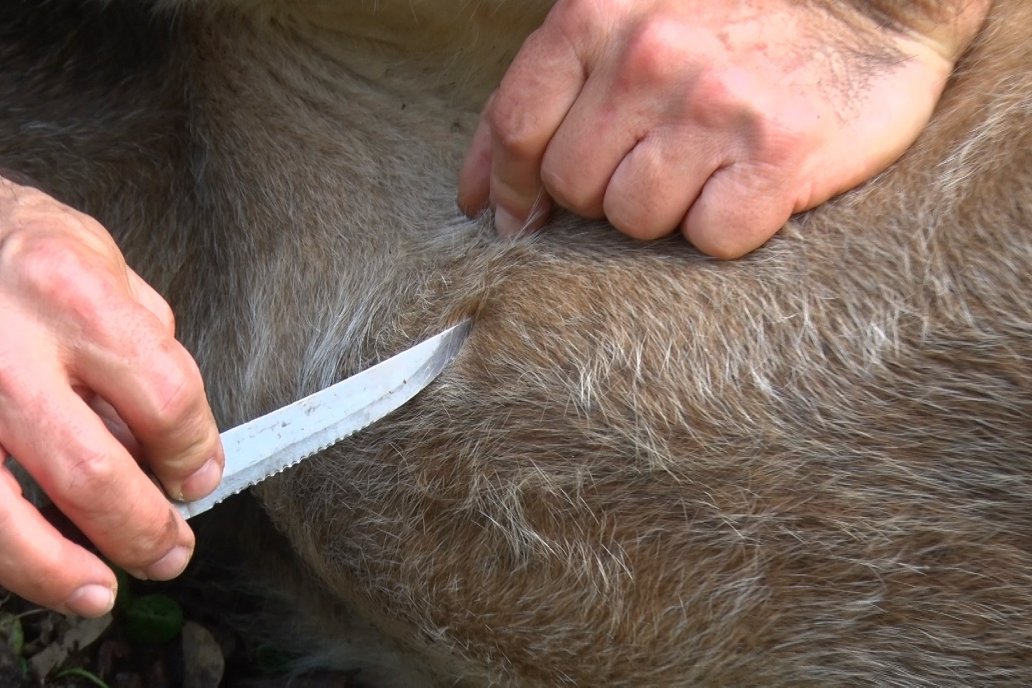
267 445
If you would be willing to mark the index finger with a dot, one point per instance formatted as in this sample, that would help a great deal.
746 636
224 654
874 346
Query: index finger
112 334
155 386
530 105
37 563
90 476
125 352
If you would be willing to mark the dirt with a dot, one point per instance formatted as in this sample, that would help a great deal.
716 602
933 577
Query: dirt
187 633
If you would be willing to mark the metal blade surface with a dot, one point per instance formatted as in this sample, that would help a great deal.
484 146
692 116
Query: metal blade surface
267 445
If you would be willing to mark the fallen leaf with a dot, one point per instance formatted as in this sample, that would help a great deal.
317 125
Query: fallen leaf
203 663
79 633
153 619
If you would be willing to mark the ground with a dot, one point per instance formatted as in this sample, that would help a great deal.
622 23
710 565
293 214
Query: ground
189 633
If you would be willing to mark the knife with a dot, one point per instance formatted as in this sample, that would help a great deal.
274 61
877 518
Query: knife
271 443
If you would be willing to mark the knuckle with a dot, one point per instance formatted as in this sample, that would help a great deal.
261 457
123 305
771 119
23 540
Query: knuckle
654 52
515 130
58 271
92 472
33 255
176 392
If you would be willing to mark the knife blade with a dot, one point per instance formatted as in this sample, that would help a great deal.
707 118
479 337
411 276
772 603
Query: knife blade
262 447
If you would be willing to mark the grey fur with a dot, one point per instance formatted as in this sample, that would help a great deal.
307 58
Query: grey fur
810 466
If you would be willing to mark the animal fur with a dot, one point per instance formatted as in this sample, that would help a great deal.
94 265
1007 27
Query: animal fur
810 466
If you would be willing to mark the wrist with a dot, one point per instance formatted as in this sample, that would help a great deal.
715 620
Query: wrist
945 26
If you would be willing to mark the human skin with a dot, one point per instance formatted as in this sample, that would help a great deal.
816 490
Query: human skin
666 115
93 385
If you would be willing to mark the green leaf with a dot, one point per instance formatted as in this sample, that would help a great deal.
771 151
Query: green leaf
82 673
125 595
153 619
11 631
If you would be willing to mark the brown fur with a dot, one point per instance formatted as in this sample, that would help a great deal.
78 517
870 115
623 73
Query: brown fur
810 466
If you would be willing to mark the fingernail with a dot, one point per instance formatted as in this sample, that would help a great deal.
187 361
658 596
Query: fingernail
91 600
169 566
202 481
507 224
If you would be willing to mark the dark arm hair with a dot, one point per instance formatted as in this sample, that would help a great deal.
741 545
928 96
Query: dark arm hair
951 22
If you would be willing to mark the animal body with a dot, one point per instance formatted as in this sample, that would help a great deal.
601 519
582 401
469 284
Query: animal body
810 466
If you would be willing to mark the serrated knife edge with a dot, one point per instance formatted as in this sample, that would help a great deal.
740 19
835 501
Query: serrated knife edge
270 444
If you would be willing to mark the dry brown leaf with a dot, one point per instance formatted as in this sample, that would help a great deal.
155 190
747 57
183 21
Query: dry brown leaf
77 633
203 663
